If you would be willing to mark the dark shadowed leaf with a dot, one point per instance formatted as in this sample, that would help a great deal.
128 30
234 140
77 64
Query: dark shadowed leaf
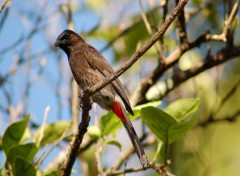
1 147
26 151
23 167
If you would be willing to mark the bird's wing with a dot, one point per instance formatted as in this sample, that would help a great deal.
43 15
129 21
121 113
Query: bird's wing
97 61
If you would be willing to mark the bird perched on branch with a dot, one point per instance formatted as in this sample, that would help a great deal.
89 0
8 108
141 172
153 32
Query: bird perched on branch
89 67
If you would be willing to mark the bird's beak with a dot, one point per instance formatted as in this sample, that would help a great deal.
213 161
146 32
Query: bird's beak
57 43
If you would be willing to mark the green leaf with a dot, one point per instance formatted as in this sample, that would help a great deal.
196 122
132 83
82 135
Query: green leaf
182 108
95 5
165 127
1 146
94 132
178 130
26 151
137 34
14 134
22 167
137 109
52 173
52 132
115 143
109 123
157 154
158 121
26 135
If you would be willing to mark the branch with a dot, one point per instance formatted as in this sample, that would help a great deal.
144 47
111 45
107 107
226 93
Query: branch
82 128
127 154
221 56
160 168
209 121
179 77
227 97
218 58
227 25
181 27
232 118
140 95
122 33
125 31
139 52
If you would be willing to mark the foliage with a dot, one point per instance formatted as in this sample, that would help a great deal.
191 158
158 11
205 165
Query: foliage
196 57
21 153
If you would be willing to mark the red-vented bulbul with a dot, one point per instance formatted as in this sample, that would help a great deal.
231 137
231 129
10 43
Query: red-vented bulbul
89 67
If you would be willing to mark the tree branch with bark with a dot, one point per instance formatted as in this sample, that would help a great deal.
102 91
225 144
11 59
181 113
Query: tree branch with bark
82 129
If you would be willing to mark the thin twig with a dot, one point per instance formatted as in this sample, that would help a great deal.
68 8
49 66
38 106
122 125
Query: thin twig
227 25
160 168
179 77
139 96
209 121
140 51
228 95
47 109
4 5
218 58
181 27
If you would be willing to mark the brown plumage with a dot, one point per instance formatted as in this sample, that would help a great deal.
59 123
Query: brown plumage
89 67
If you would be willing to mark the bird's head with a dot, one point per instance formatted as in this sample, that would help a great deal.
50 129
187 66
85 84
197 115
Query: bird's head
67 39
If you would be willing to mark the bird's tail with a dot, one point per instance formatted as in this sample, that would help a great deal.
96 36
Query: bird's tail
121 113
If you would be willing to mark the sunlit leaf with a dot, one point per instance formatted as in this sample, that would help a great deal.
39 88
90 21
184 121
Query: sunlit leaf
52 132
52 173
95 5
109 123
178 130
182 108
157 153
115 143
94 132
14 134
138 108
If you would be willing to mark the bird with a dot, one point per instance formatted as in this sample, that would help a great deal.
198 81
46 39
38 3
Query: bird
89 67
